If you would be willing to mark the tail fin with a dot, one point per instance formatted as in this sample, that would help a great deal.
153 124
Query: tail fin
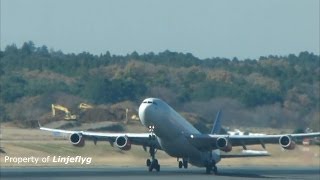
217 124
39 124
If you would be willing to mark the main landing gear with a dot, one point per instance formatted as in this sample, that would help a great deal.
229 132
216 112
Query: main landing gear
153 163
183 163
211 167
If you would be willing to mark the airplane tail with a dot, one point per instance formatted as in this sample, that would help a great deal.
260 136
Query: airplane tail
217 124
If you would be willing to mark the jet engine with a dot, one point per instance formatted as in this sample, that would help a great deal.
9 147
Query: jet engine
223 144
286 142
123 143
77 140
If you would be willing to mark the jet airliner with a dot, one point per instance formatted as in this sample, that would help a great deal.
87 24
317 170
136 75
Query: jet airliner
170 132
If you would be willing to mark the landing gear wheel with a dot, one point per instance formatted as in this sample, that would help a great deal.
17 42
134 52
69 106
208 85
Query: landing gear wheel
180 164
150 168
208 169
185 164
148 162
153 163
211 167
157 167
215 170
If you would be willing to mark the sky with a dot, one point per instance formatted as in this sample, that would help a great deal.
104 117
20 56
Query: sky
206 28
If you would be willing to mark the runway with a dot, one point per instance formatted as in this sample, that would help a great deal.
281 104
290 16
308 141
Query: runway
139 173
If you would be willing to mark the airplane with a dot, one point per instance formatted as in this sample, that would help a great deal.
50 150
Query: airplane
173 134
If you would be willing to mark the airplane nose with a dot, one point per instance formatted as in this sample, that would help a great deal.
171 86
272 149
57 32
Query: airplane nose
145 112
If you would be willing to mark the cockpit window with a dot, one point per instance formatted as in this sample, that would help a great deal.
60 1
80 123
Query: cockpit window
150 102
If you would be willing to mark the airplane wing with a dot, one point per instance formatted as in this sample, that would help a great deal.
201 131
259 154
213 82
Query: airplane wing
142 139
207 142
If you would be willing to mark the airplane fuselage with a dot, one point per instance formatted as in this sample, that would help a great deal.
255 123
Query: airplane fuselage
171 130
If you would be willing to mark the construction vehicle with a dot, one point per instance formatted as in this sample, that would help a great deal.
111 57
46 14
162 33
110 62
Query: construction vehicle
68 115
84 106
133 117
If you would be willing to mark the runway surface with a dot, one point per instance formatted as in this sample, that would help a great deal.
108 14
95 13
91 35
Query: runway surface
140 173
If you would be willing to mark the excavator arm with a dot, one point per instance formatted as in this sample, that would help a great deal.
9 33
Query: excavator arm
68 115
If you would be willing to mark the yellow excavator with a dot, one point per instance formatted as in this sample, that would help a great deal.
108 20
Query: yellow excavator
84 106
68 115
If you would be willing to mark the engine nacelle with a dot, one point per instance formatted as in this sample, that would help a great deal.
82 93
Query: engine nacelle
77 140
223 144
123 143
286 142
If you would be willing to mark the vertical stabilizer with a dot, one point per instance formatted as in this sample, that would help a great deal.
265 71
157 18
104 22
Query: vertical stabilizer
217 124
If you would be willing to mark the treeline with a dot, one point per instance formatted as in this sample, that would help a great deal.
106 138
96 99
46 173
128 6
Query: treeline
291 81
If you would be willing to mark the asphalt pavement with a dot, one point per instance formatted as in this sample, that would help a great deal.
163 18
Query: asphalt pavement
140 173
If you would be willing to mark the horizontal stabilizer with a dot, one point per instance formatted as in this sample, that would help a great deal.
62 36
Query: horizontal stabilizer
246 154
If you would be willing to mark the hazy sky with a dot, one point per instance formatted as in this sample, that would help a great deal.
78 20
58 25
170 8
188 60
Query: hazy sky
206 28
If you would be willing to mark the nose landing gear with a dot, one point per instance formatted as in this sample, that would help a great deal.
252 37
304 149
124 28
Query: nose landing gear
153 163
